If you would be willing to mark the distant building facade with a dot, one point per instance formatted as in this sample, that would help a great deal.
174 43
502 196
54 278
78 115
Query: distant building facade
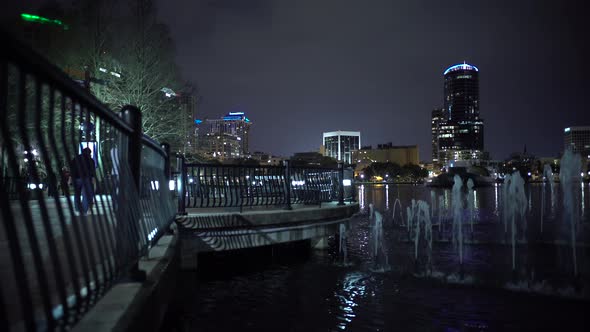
188 105
384 153
341 144
225 138
577 139
459 128
437 117
267 159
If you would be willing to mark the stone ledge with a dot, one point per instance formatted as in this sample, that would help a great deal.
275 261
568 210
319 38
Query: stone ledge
138 306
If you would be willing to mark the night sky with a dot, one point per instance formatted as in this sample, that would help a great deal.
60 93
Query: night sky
302 67
299 68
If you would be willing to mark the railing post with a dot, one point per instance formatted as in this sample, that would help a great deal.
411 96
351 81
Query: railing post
353 191
181 184
287 164
132 116
340 183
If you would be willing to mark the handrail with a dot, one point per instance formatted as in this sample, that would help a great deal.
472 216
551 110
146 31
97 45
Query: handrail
210 185
65 252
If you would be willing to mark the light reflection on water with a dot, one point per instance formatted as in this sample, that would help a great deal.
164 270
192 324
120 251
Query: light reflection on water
319 295
352 291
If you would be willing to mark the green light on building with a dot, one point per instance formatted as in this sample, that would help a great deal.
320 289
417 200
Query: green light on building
43 20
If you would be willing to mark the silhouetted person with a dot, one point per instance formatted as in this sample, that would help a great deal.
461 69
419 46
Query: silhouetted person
82 172
65 179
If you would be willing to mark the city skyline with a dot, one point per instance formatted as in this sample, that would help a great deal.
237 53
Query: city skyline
378 69
344 65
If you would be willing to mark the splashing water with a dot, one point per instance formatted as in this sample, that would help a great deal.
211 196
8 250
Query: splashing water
470 202
432 202
378 243
423 220
505 200
401 213
457 216
516 205
571 165
441 216
547 177
411 211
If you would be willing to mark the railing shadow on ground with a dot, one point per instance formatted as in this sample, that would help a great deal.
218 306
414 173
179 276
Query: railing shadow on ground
57 261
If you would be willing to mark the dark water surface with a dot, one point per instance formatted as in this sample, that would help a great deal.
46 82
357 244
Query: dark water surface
292 288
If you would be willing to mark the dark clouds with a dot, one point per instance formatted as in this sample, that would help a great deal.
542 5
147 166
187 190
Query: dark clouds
299 68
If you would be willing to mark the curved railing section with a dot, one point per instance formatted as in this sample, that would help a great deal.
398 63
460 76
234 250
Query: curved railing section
223 186
60 255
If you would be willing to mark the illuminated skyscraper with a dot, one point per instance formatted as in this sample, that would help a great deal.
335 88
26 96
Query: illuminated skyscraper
340 144
437 116
460 129
225 138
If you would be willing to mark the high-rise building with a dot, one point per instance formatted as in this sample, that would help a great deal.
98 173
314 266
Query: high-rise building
460 129
225 138
437 116
578 139
340 144
187 104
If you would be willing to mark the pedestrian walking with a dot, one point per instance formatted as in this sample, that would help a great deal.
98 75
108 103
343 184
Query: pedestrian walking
82 172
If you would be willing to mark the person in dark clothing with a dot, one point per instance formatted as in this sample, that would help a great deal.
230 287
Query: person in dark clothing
65 179
82 172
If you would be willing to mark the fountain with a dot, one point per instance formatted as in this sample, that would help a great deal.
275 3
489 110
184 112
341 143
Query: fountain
441 216
515 205
401 213
432 202
470 203
505 200
378 243
411 211
423 219
547 177
457 219
571 166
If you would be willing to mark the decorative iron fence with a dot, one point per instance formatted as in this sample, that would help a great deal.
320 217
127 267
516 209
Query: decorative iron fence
60 252
207 185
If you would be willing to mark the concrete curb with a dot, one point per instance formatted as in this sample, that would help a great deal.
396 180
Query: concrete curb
138 306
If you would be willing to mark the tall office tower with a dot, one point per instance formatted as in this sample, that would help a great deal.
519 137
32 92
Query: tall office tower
340 144
188 113
578 139
461 129
437 116
225 138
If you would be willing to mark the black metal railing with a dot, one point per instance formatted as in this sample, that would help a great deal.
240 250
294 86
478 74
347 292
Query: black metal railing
216 186
60 254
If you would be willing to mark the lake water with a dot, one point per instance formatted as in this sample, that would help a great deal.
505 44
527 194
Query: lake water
292 288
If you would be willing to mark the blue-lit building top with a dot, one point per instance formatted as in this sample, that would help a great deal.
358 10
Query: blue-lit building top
460 66
224 138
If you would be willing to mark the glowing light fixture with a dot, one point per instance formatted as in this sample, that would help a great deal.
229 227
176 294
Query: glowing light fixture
43 20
